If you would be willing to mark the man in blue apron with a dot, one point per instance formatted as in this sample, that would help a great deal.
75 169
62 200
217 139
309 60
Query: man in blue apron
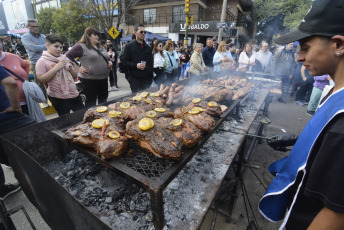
308 190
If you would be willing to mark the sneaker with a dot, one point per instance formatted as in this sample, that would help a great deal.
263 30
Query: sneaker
281 100
45 105
8 189
310 113
113 88
299 103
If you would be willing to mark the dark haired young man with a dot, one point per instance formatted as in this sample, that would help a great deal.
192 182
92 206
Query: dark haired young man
137 59
308 188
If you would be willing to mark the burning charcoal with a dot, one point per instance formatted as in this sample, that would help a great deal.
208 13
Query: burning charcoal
203 179
196 170
126 215
204 200
108 200
149 216
132 206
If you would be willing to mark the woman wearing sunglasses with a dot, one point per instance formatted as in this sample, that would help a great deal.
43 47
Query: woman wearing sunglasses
159 63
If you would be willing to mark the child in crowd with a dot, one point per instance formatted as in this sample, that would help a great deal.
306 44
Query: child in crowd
58 75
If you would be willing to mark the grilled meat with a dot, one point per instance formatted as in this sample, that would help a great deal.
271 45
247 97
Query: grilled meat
106 147
212 111
187 132
157 140
92 114
202 121
130 113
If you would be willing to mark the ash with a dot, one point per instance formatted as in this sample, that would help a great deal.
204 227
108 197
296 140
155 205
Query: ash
112 198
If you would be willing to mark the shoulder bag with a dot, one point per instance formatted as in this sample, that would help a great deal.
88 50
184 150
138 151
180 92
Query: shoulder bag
226 65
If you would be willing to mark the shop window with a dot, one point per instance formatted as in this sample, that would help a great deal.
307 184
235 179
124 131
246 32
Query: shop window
149 16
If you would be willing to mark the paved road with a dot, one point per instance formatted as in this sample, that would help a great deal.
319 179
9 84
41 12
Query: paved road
289 117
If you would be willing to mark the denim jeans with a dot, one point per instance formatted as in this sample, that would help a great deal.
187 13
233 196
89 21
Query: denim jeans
315 98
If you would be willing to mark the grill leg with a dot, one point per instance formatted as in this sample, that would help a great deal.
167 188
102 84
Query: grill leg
157 204
6 222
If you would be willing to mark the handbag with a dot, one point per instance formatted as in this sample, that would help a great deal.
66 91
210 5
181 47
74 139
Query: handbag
174 70
34 95
226 65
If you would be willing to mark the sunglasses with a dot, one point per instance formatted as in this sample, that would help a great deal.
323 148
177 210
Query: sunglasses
160 45
142 32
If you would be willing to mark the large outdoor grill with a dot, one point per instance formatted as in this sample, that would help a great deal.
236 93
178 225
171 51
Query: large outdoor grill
31 147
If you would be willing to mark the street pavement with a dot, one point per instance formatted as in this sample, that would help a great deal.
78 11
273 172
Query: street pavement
288 117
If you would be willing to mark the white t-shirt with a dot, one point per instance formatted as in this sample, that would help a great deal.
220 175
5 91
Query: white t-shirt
158 60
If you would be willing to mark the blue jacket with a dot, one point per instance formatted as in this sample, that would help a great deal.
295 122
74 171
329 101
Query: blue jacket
173 58
208 55
34 50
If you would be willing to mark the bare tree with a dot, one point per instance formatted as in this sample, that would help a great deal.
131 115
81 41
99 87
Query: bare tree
104 11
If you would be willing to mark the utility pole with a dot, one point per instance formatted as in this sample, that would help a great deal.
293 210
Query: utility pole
223 14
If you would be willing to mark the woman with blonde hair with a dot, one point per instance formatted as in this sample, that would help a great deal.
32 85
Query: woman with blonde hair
196 61
223 58
247 58
172 59
95 66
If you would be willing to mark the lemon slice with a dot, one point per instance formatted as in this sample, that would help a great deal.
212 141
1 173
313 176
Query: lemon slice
137 98
150 121
184 109
144 94
98 123
154 94
114 134
151 113
213 104
196 100
146 123
193 112
125 105
161 110
176 122
149 101
101 109
114 113
197 109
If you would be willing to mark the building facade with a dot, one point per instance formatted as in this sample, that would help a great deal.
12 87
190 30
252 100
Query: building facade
167 18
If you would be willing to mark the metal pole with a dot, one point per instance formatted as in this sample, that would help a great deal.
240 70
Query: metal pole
186 32
223 13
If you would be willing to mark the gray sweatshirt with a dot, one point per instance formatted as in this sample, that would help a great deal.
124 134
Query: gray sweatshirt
34 46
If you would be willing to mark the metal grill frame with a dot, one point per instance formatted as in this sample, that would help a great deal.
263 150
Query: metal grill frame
156 185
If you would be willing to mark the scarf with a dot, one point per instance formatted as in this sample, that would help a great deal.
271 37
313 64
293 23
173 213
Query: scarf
273 204
61 75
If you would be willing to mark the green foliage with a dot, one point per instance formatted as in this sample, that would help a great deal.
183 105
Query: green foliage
70 21
278 16
45 20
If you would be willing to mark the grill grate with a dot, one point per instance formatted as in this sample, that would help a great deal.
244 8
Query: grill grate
143 162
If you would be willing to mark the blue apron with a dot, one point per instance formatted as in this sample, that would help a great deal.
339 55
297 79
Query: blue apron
273 204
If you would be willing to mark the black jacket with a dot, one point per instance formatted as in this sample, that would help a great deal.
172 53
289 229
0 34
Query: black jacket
134 53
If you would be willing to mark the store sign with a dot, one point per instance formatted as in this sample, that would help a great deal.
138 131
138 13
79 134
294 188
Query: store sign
206 26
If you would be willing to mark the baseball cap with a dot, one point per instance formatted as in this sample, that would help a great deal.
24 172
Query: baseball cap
325 18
